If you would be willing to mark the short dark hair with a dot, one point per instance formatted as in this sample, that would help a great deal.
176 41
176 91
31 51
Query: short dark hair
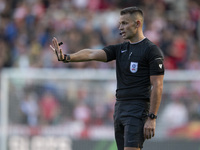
131 10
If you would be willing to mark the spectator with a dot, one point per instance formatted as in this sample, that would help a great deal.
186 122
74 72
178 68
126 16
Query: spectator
29 108
34 23
49 109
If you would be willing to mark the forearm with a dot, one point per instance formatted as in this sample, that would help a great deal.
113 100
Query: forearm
156 95
82 55
88 55
155 100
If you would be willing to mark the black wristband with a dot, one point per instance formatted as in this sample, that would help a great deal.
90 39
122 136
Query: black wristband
152 116
66 58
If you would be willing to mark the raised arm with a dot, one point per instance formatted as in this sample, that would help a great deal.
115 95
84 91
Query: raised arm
88 55
80 56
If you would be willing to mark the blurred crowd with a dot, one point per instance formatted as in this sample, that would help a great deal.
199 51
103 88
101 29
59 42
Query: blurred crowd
45 103
28 26
47 108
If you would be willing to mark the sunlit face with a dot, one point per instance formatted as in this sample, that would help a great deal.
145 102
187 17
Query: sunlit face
127 26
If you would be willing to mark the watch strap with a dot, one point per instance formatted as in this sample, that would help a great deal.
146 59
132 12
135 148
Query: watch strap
152 116
66 58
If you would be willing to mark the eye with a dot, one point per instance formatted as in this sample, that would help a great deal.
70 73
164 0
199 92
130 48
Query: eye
122 23
125 23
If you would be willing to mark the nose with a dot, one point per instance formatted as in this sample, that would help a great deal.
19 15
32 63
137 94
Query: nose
120 27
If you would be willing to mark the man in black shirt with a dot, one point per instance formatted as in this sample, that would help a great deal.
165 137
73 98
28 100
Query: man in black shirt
140 72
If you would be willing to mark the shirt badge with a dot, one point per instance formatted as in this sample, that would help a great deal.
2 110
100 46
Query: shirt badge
133 67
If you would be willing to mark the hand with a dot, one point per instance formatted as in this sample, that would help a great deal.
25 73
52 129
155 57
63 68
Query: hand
57 50
149 128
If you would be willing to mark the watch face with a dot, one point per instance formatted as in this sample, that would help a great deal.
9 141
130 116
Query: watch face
152 116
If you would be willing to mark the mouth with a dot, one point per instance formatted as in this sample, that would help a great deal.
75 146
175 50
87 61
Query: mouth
122 34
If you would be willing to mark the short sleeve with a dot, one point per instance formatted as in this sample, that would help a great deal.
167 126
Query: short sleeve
156 58
111 51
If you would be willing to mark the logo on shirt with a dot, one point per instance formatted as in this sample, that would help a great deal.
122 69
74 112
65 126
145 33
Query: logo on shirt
133 67
123 51
160 65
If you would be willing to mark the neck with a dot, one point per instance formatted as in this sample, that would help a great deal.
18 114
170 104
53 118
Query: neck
137 39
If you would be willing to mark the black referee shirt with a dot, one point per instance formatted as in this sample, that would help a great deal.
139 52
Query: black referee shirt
135 63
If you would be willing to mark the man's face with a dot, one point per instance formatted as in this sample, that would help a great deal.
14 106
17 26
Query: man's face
127 26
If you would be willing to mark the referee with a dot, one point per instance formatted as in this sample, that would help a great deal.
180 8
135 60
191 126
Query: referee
140 72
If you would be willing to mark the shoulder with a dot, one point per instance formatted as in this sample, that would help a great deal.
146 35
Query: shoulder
152 49
145 45
151 46
148 43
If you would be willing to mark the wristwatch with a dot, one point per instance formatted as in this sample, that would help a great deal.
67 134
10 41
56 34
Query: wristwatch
152 116
66 58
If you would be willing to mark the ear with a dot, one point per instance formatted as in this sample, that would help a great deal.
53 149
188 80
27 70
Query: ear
138 23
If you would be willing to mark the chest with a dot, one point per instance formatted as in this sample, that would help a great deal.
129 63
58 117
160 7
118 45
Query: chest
132 59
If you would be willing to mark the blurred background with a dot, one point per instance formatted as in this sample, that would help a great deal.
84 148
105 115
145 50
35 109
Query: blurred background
71 105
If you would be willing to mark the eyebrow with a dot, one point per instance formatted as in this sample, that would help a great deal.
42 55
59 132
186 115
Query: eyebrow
123 21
